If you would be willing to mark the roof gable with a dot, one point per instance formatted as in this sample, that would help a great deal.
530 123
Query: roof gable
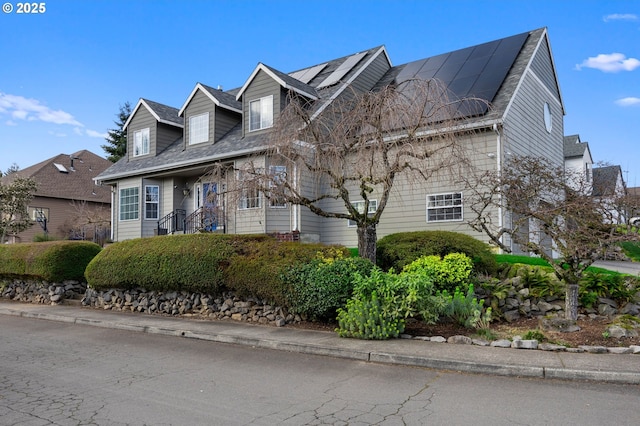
162 113
283 80
573 147
606 179
218 97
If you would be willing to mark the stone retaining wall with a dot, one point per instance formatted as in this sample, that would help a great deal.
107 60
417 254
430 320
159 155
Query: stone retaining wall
35 291
227 306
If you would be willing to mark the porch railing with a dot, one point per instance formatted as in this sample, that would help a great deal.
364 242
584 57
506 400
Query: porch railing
203 220
172 222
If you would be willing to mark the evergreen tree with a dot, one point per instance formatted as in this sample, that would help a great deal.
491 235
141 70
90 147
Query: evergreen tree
117 139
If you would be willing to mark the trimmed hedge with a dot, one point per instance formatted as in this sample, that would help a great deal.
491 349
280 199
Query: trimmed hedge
53 261
249 265
398 250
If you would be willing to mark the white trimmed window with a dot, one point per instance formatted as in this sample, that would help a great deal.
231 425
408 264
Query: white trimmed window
249 199
261 113
129 203
38 214
199 128
141 142
444 207
359 205
279 175
151 202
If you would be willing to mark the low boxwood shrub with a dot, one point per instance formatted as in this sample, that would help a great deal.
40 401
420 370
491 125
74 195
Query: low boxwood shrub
318 288
180 262
249 265
257 269
398 250
53 261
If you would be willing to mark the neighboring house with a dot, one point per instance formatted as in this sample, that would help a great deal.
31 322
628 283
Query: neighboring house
634 214
158 185
608 185
67 203
578 161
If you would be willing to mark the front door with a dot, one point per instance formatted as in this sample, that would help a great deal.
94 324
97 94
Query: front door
209 206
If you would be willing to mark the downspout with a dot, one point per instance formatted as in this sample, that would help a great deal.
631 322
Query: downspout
113 213
499 170
295 207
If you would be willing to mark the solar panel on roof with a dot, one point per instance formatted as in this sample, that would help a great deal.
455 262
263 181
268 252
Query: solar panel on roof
342 70
307 74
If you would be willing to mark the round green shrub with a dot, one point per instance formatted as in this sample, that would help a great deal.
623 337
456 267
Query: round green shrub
257 269
53 261
318 288
398 250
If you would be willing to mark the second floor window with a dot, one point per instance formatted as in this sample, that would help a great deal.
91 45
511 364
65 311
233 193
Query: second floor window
261 113
151 199
141 142
199 128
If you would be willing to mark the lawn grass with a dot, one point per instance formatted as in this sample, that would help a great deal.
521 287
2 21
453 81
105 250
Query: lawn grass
536 261
631 249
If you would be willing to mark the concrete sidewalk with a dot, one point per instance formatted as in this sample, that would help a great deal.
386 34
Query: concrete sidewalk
442 356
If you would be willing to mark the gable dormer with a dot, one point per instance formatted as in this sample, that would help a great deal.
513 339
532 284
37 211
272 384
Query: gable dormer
151 128
208 115
264 95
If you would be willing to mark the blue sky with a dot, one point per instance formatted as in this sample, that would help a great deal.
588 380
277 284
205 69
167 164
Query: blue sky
65 72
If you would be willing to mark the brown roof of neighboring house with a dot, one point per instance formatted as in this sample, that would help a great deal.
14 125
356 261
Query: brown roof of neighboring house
68 177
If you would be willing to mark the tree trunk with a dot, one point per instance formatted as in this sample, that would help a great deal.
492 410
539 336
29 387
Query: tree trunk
367 240
571 302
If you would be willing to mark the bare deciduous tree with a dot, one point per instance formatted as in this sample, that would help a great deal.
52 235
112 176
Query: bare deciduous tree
353 149
550 212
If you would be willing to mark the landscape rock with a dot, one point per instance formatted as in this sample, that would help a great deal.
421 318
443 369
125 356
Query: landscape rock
619 350
437 339
480 342
551 347
635 349
502 343
524 344
594 349
511 316
459 340
558 324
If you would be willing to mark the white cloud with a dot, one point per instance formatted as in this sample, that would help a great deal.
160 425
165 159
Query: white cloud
612 62
58 134
22 108
630 101
11 123
620 17
94 134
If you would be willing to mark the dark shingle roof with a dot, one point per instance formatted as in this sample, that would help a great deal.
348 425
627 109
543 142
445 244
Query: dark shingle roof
297 85
165 112
573 147
67 182
225 98
498 86
605 180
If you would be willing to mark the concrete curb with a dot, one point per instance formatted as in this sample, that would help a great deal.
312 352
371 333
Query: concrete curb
367 355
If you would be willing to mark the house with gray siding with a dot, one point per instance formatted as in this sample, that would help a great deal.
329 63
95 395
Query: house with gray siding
164 185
